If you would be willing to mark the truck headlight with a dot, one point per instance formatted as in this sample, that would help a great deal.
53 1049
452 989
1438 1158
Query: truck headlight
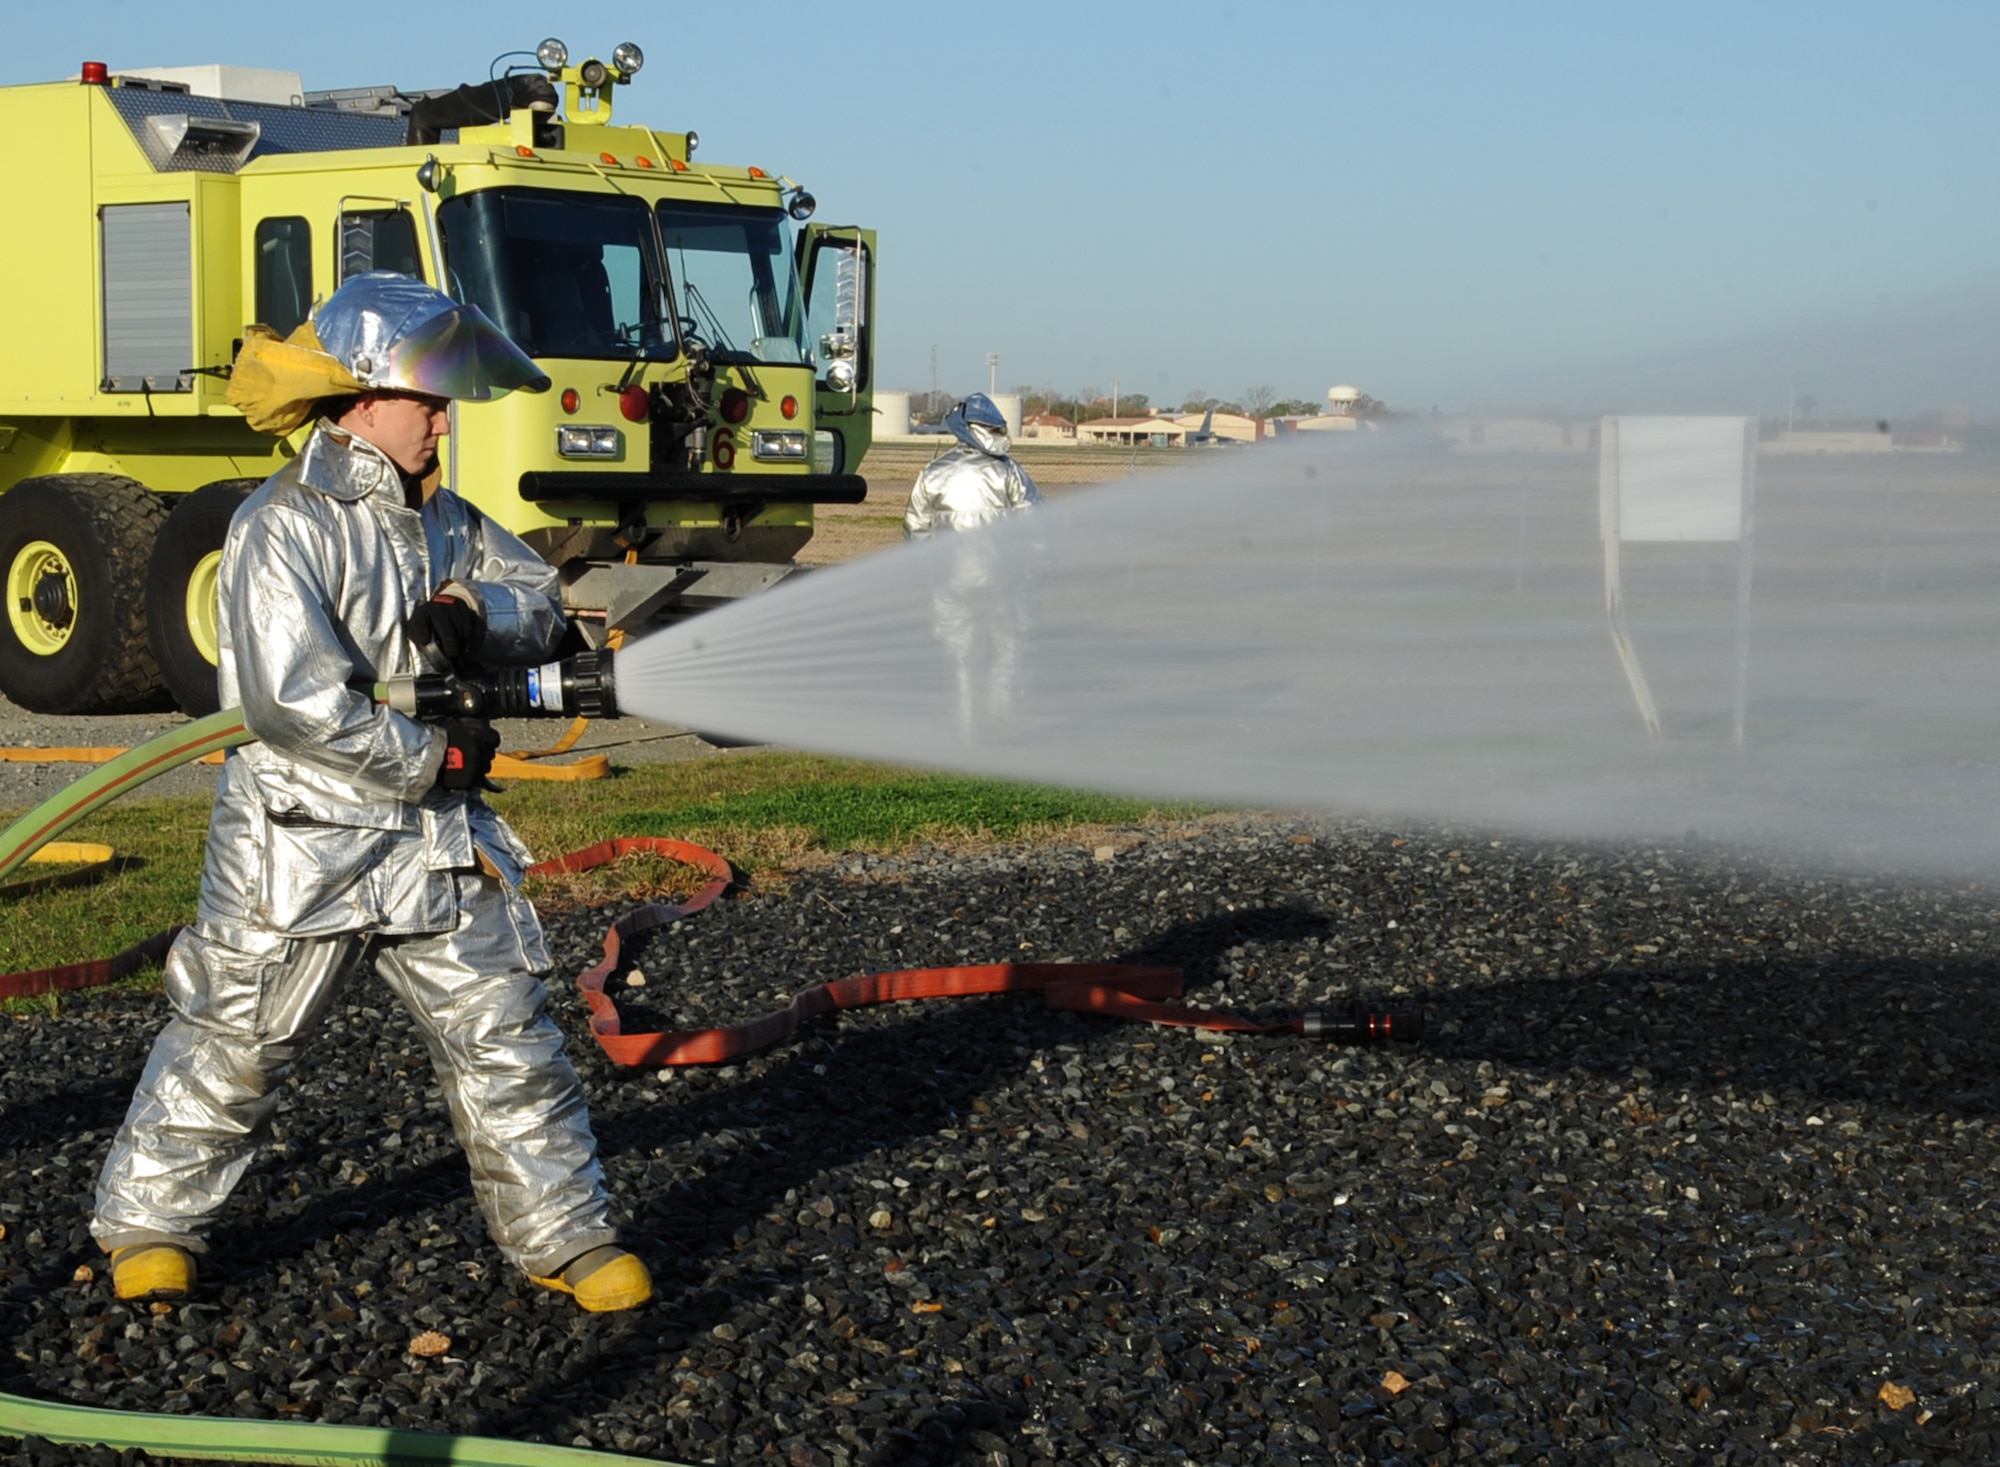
552 54
777 445
628 58
584 440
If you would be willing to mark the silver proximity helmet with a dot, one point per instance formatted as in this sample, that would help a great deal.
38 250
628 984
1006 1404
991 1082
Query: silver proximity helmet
395 333
977 422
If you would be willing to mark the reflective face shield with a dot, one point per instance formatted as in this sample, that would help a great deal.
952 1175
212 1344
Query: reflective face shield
458 354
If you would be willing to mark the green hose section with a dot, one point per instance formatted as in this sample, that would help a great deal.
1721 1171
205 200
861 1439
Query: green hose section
219 1439
117 777
209 1437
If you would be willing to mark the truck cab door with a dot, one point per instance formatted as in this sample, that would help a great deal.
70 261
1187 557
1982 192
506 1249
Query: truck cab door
837 277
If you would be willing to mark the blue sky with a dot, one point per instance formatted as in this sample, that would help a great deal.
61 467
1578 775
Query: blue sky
1696 206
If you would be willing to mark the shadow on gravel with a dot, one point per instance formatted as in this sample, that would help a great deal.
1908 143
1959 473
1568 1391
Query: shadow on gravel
95 1105
1899 1032
1198 948
818 1110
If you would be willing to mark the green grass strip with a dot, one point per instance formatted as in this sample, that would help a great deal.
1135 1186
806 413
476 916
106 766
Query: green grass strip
222 1439
891 812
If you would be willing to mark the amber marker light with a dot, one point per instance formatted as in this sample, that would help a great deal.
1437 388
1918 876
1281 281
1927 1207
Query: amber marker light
634 402
643 161
790 406
570 401
607 158
524 150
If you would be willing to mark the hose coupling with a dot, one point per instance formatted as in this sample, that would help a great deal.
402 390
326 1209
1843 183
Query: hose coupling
1361 1025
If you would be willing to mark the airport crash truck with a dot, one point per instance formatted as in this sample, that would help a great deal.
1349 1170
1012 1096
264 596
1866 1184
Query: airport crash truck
710 351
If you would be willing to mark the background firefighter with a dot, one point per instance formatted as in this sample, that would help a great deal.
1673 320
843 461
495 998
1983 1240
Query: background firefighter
978 620
350 834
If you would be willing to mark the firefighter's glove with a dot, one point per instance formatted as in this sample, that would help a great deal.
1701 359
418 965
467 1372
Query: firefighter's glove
448 626
469 747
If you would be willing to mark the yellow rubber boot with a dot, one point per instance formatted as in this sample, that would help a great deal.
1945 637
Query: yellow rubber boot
152 1271
603 1281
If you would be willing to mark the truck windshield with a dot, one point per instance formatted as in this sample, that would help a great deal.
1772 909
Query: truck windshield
563 274
736 282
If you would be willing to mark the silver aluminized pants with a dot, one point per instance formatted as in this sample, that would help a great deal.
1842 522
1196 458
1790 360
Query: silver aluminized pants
246 1006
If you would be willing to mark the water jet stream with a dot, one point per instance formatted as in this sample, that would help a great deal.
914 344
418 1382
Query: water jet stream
1368 623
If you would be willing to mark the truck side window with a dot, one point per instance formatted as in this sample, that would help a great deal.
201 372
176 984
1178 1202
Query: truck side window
284 273
379 239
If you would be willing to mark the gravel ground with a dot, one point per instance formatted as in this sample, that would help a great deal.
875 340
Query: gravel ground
1697 1167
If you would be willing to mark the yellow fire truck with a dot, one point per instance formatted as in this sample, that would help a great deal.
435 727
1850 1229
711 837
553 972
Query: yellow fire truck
711 361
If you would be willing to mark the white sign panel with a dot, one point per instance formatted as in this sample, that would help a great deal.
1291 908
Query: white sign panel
1676 478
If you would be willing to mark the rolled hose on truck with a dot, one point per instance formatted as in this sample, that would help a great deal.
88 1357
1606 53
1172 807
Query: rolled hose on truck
581 685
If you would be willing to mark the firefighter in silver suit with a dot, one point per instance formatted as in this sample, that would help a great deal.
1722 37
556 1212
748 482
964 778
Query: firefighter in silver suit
350 835
979 620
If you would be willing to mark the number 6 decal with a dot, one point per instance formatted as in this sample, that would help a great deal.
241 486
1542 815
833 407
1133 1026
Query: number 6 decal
725 449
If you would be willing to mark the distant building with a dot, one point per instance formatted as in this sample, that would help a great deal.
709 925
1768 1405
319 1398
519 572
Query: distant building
1929 438
1836 436
1234 426
1147 432
1323 423
1519 435
1047 425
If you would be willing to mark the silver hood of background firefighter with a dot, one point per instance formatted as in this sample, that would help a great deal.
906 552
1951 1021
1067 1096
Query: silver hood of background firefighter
977 423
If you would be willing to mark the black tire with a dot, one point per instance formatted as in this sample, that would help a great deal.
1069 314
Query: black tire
182 638
73 552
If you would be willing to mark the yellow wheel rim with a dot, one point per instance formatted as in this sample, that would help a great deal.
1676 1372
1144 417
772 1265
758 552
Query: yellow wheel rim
41 598
201 616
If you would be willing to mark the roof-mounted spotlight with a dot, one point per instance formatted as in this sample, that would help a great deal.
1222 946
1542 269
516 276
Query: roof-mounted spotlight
627 58
552 55
694 141
801 205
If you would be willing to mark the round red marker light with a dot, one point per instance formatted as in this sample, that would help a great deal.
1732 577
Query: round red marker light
570 401
634 402
735 405
789 407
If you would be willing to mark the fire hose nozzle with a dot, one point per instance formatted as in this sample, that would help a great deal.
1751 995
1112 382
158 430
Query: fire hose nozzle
1361 1025
580 686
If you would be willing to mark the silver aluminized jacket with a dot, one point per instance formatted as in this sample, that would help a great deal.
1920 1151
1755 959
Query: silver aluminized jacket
330 846
978 622
969 485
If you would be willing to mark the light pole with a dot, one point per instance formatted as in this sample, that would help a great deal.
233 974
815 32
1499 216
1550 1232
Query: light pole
992 373
1114 397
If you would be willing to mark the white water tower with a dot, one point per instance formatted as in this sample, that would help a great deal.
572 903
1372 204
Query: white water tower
1342 400
892 415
